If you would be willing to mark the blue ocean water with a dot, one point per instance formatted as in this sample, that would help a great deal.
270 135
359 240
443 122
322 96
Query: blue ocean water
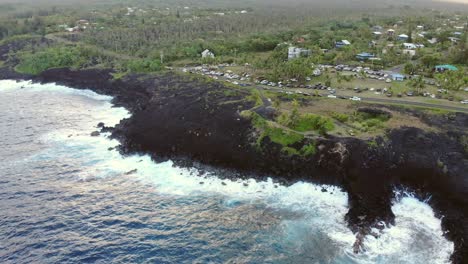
68 197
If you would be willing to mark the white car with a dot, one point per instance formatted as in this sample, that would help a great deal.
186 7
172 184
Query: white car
331 96
464 102
355 98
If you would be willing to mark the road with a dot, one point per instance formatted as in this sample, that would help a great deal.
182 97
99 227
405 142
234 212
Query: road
386 101
418 104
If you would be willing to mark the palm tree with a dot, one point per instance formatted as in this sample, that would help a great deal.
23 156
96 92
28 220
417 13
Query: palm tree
418 84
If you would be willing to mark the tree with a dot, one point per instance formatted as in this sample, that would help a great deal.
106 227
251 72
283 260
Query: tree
327 80
452 80
429 61
294 116
418 84
409 68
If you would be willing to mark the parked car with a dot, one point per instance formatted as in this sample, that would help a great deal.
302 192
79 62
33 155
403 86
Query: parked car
355 98
331 96
464 102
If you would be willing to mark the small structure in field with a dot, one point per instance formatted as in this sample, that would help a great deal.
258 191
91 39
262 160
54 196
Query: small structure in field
403 37
294 52
207 54
445 67
342 43
409 46
398 77
364 56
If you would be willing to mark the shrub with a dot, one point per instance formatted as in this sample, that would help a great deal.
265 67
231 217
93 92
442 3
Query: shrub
281 136
35 63
310 122
309 149
143 65
340 117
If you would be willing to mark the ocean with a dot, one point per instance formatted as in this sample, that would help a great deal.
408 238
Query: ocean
68 197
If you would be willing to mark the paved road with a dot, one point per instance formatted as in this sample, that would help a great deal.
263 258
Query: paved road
428 105
460 108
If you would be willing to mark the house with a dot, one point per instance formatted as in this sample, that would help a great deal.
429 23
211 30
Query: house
342 43
420 27
445 67
409 52
403 37
364 56
409 46
207 54
432 41
377 28
294 52
377 34
398 77
82 22
73 29
391 32
454 40
458 34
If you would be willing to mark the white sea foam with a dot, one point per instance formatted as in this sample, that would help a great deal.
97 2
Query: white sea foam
416 238
11 85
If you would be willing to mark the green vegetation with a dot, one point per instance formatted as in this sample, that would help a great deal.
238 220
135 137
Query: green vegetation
372 144
35 63
143 65
255 97
368 122
281 136
343 118
305 122
309 122
309 149
275 134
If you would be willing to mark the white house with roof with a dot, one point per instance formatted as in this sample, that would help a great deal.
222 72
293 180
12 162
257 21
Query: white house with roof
410 46
403 37
207 54
294 52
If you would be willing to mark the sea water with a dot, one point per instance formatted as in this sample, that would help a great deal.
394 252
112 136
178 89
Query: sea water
68 197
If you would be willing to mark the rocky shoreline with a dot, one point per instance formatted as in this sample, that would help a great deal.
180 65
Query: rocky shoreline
191 122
